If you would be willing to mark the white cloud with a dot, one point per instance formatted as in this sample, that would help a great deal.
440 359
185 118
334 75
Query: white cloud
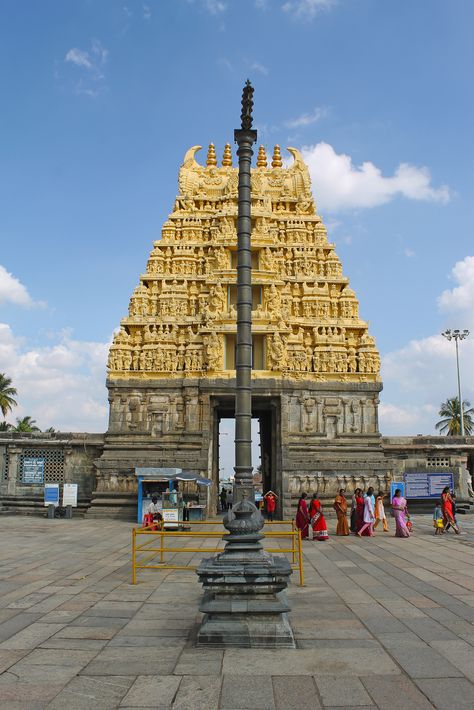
307 9
79 57
214 7
421 375
306 119
339 184
60 385
261 68
91 64
13 291
146 12
460 300
409 253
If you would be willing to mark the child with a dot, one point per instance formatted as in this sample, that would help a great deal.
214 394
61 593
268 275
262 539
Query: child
438 523
380 512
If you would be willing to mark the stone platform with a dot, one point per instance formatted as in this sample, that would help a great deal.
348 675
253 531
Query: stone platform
381 623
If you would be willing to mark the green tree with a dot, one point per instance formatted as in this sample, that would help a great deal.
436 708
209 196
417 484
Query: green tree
450 424
27 424
7 394
5 426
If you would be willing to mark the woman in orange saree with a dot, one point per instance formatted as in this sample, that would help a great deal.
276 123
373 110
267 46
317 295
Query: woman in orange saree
447 508
340 506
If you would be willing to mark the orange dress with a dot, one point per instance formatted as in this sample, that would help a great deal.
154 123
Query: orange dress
340 506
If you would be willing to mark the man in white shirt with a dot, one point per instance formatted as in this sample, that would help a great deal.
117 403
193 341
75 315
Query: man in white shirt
154 509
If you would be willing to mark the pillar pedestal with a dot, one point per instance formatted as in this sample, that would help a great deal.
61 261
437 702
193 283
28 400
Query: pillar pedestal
244 600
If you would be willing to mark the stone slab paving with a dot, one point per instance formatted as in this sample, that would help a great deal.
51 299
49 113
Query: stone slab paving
381 623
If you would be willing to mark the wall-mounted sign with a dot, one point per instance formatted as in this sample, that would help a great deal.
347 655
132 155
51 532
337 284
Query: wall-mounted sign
427 485
51 494
394 486
70 494
32 469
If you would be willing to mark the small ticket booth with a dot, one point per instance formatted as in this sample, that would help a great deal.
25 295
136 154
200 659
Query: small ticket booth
182 495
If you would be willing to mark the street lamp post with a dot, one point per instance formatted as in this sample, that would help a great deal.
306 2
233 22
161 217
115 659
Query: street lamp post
457 335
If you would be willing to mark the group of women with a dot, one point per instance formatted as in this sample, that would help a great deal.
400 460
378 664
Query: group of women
367 511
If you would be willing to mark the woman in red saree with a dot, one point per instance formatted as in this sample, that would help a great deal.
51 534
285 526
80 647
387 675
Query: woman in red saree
302 516
447 508
359 510
320 530
340 506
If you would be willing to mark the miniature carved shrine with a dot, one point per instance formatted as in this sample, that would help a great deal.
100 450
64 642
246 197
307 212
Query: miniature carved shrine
315 367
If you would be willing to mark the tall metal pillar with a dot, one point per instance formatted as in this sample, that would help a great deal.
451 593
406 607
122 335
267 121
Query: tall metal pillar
245 137
244 600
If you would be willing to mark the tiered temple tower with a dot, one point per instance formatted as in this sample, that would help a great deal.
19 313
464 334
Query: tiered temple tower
315 366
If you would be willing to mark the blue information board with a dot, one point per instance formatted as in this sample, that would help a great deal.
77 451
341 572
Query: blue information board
32 470
427 485
51 494
394 486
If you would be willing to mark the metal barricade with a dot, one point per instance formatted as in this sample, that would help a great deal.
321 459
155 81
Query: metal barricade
144 554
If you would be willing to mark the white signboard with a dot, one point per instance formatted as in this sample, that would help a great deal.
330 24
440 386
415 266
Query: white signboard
70 494
170 517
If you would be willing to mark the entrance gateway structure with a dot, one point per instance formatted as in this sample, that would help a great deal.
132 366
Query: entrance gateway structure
171 367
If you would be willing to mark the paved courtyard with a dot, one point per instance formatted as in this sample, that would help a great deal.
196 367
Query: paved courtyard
381 622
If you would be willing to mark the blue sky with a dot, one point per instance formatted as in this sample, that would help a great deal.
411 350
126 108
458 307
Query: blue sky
100 101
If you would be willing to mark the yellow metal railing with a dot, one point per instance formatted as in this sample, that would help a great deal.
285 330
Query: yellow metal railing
144 554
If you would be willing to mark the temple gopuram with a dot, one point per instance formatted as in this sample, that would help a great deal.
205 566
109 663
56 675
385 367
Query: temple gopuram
171 367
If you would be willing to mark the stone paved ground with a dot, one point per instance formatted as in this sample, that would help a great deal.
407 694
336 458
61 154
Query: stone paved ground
381 623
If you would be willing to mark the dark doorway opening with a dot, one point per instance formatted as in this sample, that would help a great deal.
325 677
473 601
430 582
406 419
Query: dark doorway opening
265 444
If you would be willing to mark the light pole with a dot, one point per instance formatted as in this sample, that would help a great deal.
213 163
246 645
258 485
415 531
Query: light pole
457 335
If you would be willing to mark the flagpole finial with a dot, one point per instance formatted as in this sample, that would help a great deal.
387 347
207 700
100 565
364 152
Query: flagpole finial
247 106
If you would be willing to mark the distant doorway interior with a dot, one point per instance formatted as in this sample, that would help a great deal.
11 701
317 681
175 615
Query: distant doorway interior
265 445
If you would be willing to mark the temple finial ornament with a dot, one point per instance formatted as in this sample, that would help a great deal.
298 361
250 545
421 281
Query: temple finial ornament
227 157
211 156
277 161
261 158
247 106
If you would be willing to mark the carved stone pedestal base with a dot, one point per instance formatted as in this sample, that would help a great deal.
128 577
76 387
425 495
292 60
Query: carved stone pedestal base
244 600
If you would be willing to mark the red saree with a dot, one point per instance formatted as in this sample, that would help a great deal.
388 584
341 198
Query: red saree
320 530
302 518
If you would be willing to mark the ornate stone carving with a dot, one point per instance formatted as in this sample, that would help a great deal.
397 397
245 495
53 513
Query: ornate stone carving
185 299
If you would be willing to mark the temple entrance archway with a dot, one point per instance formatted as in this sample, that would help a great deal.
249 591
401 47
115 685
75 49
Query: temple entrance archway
267 411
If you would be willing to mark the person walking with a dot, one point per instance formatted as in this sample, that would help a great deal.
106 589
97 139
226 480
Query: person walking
340 506
447 508
223 499
359 510
353 523
318 522
380 511
438 523
400 513
368 515
302 516
230 498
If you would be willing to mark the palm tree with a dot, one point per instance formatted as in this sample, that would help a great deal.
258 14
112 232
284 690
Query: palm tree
27 424
7 393
450 425
5 426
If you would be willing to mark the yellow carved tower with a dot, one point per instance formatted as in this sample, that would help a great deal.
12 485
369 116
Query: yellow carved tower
181 320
